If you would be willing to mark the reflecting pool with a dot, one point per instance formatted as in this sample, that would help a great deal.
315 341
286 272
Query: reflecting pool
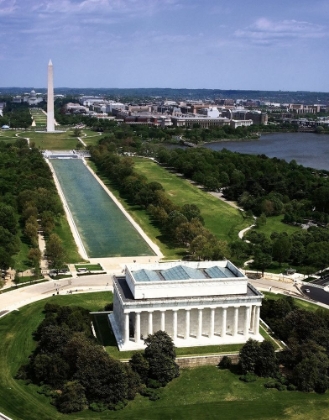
103 228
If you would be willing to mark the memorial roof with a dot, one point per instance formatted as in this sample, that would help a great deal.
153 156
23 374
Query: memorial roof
182 272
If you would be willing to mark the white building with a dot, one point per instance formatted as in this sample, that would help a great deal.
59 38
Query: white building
196 303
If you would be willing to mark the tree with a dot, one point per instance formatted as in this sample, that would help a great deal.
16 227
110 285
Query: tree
160 354
311 373
140 365
282 248
55 252
72 398
262 260
266 365
34 256
249 355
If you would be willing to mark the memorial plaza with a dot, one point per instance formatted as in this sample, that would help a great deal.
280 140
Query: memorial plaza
196 303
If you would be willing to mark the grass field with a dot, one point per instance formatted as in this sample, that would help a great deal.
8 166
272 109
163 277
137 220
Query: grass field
49 141
91 138
63 230
9 136
220 218
39 117
199 393
274 224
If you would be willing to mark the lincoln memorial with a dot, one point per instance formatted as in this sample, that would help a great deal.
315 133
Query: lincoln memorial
196 303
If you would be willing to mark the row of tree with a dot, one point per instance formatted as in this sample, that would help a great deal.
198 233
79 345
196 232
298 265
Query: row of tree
28 201
16 115
78 374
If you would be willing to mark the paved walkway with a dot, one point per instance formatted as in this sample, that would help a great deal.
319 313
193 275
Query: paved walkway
15 299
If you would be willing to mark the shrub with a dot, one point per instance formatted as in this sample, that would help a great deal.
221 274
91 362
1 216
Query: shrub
270 384
248 377
108 307
97 407
291 387
154 384
118 406
152 394
280 387
225 363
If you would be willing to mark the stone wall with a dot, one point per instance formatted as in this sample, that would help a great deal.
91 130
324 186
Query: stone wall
210 360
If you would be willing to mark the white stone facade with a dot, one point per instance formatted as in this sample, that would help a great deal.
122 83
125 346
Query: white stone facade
207 310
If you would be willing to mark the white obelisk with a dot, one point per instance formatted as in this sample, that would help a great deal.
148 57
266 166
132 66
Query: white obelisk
50 99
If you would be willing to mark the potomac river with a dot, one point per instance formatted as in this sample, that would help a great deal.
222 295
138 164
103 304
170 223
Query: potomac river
307 149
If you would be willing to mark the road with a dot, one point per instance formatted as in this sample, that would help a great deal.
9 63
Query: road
92 283
316 294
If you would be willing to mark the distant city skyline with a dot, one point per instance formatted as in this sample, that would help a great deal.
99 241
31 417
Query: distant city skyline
211 44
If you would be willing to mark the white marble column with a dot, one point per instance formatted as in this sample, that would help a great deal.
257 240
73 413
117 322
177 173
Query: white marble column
257 312
212 323
235 321
199 333
252 318
224 316
187 323
163 320
137 327
126 335
150 329
246 321
174 324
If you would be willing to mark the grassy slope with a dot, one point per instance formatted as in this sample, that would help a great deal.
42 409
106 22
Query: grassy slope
63 230
199 393
274 224
220 218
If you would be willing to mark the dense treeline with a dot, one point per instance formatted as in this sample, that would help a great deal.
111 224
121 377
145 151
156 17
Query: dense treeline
75 371
265 187
303 365
306 335
28 200
181 225
16 115
307 248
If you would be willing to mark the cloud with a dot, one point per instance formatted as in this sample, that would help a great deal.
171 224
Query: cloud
7 7
101 7
267 32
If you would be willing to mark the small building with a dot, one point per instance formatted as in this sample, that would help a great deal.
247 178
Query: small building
196 303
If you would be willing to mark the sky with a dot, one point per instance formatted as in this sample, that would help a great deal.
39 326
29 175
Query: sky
212 44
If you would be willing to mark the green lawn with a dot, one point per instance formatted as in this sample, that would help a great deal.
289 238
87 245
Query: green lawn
91 267
9 136
91 138
199 393
220 218
49 141
63 230
274 224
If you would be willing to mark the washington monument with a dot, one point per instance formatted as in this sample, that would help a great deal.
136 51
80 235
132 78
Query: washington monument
50 99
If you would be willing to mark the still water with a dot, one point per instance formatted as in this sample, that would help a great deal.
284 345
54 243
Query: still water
103 228
307 149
